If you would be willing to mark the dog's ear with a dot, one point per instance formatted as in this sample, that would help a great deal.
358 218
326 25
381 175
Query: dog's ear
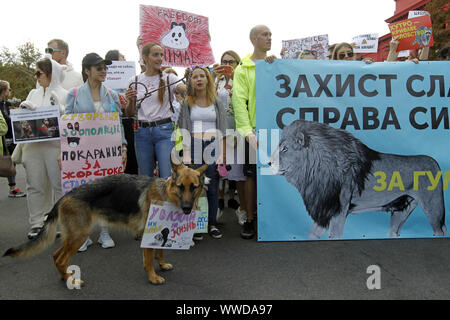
183 26
202 171
175 167
174 24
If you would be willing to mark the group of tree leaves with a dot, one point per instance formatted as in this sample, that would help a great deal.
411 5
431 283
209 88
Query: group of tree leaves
18 69
440 17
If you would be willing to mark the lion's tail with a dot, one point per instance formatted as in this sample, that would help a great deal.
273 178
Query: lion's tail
45 238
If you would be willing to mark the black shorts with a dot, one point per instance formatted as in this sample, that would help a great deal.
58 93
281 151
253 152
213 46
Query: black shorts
249 167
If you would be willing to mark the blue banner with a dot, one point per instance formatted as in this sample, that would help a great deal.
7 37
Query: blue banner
349 150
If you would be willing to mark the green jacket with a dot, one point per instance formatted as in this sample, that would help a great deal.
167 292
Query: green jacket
244 96
3 131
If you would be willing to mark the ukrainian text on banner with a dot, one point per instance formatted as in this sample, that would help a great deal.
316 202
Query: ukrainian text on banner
91 148
413 33
372 159
168 227
184 36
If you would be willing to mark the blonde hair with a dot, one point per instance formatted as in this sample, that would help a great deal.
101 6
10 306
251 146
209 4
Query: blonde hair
338 47
3 86
145 52
210 90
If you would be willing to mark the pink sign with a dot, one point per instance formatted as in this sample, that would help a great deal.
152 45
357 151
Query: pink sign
184 36
91 148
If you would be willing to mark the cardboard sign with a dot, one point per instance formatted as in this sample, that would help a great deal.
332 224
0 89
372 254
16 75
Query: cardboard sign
39 125
91 148
168 227
119 74
318 45
366 43
413 33
184 36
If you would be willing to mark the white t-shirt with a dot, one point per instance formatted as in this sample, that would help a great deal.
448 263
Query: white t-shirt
151 109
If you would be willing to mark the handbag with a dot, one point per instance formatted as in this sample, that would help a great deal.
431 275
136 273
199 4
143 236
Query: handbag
7 168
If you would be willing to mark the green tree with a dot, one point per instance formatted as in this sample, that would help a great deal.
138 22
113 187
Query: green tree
18 68
440 17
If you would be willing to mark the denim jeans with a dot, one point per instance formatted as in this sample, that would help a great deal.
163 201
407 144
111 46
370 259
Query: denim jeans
151 141
211 172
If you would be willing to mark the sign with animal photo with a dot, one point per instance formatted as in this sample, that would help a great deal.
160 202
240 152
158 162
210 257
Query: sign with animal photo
349 150
39 125
316 46
184 36
168 227
413 33
91 148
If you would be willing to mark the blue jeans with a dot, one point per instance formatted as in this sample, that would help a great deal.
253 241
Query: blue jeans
211 172
151 141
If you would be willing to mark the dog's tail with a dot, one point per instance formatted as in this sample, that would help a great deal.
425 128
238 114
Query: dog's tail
45 238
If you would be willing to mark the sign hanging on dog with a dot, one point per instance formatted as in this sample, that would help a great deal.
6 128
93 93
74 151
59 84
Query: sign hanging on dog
168 227
91 148
349 150
184 36
413 33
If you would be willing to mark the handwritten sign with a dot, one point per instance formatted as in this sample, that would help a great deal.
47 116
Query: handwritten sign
39 125
168 227
366 43
413 33
91 148
316 44
202 216
184 36
119 74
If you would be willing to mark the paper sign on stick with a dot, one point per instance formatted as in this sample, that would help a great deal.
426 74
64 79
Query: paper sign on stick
184 36
119 74
366 43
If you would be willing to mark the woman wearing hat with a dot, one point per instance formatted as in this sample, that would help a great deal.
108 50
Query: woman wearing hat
91 97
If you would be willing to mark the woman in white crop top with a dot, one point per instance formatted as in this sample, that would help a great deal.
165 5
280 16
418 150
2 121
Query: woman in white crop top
205 119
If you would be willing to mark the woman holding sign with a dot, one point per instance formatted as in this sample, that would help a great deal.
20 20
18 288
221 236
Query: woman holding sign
204 116
92 97
153 131
39 159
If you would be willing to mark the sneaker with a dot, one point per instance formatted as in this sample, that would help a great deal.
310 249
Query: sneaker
197 236
241 216
248 230
16 193
215 233
105 240
34 232
85 245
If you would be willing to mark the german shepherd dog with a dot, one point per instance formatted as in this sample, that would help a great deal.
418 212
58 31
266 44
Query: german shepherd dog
120 200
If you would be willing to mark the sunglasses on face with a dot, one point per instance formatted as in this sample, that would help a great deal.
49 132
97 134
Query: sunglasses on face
51 50
348 54
100 69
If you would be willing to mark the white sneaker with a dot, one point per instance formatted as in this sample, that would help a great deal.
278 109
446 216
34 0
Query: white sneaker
241 216
105 240
85 245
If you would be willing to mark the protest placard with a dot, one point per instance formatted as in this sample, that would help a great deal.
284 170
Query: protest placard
39 125
388 122
318 45
366 43
91 148
413 33
119 74
184 36
168 227
202 216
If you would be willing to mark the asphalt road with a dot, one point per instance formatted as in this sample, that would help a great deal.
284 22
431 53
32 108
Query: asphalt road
230 268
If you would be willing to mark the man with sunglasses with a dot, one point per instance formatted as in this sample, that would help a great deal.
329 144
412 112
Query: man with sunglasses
59 50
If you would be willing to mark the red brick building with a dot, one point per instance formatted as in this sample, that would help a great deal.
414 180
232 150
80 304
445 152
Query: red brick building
402 7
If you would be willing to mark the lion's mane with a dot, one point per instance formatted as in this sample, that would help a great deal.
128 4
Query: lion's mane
325 159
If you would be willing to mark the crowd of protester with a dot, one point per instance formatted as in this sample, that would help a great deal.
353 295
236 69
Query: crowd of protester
217 98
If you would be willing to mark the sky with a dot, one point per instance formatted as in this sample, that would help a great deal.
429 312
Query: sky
99 25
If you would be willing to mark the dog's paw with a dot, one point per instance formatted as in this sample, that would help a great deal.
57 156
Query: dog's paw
166 267
156 280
